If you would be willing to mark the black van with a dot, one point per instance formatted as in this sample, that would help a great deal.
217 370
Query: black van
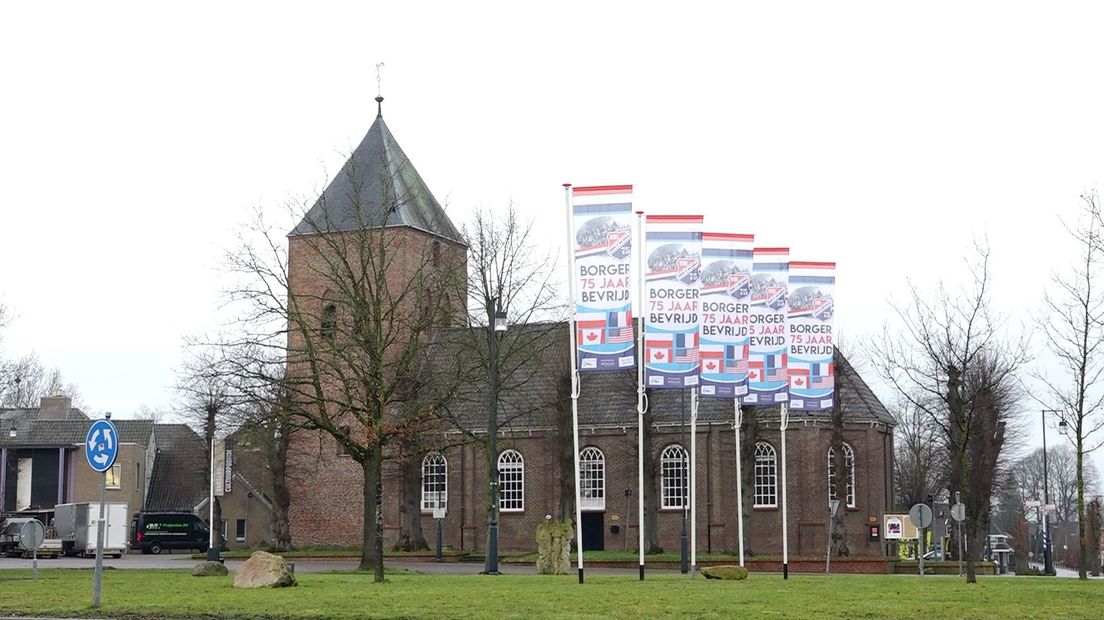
153 531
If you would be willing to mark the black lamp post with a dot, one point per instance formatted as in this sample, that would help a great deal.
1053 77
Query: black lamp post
1048 550
497 324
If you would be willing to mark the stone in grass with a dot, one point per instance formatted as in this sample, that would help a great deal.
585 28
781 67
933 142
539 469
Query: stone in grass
210 569
264 570
725 572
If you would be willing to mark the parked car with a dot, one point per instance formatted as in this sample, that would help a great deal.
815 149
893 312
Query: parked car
153 531
935 554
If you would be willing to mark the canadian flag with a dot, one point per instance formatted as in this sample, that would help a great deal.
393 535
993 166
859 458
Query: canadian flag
754 374
591 335
660 356
710 366
797 381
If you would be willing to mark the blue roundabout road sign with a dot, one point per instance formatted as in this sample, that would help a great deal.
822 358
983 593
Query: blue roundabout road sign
101 445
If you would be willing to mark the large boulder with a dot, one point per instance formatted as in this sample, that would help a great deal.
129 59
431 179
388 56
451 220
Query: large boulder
725 572
210 569
554 546
264 570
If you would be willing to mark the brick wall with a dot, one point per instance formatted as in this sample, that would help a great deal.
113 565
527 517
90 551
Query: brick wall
327 495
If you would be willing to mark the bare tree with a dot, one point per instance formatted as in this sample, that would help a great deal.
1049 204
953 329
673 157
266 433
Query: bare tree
507 274
1072 327
355 318
950 361
919 460
25 381
1027 475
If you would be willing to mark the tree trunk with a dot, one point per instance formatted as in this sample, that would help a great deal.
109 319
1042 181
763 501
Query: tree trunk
281 496
749 435
565 461
1082 556
650 490
838 532
371 557
411 537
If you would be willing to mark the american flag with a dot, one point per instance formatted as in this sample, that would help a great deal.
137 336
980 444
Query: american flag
686 355
732 365
775 374
822 382
615 335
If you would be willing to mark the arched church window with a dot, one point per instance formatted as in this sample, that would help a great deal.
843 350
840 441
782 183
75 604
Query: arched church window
849 473
511 481
766 477
434 481
592 478
673 479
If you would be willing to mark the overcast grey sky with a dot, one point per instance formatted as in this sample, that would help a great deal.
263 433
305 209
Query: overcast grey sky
136 138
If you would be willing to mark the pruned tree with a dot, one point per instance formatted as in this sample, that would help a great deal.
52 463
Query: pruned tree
209 400
1093 532
1072 328
995 394
952 359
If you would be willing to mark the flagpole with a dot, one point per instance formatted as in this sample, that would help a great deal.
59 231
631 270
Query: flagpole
785 522
639 244
693 481
574 382
738 414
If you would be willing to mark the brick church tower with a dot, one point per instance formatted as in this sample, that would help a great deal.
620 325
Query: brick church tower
375 242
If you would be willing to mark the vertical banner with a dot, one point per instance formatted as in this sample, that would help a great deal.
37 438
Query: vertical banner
767 378
725 297
811 367
602 220
672 245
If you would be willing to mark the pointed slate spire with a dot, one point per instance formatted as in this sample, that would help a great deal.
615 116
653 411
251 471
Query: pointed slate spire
377 187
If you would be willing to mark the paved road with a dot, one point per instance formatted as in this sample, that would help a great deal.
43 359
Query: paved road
141 561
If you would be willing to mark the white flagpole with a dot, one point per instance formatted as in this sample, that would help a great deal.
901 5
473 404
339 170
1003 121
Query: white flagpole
739 481
693 481
785 521
638 244
574 380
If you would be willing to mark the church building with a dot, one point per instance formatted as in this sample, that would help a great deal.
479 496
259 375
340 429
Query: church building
379 188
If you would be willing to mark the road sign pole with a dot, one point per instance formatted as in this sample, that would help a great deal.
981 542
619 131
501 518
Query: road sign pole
101 447
97 580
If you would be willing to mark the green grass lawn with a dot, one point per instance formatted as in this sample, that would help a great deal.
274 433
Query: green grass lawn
176 594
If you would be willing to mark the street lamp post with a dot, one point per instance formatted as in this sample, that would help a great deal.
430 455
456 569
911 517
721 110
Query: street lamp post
1048 551
498 324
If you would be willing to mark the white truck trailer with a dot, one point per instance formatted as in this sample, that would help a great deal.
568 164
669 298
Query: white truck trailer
77 526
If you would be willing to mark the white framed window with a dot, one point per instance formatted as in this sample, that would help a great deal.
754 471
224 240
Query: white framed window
434 481
592 479
673 478
115 477
766 475
849 473
511 481
239 530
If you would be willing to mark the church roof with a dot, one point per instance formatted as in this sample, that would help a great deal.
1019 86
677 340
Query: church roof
377 187
537 387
